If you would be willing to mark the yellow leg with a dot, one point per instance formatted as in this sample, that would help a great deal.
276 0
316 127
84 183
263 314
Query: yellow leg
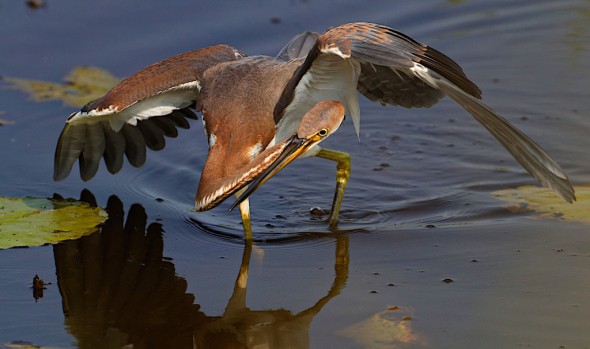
342 174
245 213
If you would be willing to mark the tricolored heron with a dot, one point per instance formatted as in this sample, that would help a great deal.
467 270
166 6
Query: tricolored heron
250 104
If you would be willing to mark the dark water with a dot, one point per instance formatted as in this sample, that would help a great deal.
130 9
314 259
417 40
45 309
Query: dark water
518 282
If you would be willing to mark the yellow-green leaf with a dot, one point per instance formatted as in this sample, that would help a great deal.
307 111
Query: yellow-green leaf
545 204
33 221
82 85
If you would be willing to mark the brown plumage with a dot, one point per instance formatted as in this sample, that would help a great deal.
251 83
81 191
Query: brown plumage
250 104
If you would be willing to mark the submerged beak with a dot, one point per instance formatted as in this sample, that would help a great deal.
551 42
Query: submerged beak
294 148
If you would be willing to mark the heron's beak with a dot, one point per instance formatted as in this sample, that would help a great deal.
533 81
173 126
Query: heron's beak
294 148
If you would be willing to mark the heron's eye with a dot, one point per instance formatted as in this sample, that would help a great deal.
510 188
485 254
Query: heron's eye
323 132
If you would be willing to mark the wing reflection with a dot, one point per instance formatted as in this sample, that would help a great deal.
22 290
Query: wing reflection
118 291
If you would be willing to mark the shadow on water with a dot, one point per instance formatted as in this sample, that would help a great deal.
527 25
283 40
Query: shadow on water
119 290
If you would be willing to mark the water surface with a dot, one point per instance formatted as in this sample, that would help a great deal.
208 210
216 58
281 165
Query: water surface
418 208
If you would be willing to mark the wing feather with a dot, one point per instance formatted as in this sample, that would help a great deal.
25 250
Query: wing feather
386 57
167 126
69 148
524 150
140 111
177 74
89 142
135 145
397 70
114 148
92 152
153 135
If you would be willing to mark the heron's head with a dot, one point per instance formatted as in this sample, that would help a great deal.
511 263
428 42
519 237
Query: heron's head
317 124
321 121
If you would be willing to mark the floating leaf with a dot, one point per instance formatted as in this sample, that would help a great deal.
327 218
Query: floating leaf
33 221
5 122
391 328
82 85
21 345
547 205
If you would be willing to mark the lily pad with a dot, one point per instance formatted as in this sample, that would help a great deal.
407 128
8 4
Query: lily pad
31 221
82 84
547 205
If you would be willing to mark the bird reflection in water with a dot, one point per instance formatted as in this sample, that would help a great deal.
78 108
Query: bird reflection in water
119 291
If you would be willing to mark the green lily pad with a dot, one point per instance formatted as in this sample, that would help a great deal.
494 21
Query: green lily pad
82 84
547 205
33 221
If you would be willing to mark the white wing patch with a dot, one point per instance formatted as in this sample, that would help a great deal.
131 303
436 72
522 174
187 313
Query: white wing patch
191 85
329 78
425 75
335 50
92 116
162 103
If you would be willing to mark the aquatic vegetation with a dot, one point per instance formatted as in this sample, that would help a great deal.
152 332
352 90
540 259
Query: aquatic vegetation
548 206
81 85
31 221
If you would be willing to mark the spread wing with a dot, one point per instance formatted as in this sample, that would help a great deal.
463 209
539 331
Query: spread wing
389 67
136 113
